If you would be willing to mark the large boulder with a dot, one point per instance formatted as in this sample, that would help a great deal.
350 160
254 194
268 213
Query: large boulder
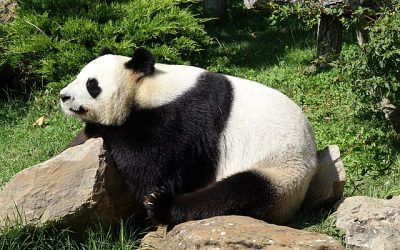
77 187
236 232
370 223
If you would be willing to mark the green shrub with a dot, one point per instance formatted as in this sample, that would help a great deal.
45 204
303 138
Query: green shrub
374 71
383 50
51 39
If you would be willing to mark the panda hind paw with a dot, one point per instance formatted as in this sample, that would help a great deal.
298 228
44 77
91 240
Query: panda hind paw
158 205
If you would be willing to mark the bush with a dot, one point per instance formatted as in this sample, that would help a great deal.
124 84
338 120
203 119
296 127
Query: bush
51 39
374 71
383 51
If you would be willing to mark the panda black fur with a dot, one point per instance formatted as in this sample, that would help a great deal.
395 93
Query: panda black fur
192 144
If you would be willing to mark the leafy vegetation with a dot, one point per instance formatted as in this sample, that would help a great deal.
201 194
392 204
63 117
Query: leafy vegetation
375 71
278 52
51 39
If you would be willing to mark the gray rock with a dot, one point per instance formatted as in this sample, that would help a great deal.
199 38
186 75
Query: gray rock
327 185
7 10
235 232
79 186
370 223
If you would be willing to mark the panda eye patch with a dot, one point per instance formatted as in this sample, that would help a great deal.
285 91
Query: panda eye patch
92 86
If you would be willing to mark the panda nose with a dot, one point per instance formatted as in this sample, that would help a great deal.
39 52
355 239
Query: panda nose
64 97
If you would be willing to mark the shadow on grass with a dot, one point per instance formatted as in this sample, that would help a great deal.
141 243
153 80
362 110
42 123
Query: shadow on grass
320 221
248 40
12 109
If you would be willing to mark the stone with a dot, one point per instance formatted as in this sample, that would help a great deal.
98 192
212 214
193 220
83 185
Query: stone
7 11
235 232
79 186
369 223
327 185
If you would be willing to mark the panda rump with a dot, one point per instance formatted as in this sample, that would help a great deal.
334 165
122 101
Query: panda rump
192 144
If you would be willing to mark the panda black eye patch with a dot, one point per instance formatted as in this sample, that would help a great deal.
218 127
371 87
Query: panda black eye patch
92 86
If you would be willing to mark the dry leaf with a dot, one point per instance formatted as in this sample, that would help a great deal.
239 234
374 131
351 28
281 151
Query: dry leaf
39 122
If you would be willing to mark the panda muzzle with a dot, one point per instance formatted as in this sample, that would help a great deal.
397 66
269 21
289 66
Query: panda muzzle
80 111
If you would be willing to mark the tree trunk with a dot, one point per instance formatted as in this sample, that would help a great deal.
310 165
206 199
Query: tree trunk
256 4
214 8
361 32
362 36
392 114
329 38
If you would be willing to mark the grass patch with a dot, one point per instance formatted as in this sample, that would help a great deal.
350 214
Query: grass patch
22 144
21 237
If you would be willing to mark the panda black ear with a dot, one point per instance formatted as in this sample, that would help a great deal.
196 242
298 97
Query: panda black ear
142 61
105 51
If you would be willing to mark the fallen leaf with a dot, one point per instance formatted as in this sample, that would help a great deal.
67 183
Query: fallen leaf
39 122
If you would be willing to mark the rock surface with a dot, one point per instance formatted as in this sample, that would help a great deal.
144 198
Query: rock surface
327 185
236 232
78 186
7 10
370 223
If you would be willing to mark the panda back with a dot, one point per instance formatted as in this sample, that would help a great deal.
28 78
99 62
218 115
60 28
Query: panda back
264 125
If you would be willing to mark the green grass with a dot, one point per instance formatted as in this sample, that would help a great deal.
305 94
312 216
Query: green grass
21 237
246 46
21 143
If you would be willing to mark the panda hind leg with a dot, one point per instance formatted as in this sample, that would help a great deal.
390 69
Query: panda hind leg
247 193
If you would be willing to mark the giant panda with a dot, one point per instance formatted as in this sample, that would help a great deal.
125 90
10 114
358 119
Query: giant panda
191 144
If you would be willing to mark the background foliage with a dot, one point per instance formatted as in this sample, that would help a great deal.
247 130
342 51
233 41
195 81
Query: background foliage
374 71
51 39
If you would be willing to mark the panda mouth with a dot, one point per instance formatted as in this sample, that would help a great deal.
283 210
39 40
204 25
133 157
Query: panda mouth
79 111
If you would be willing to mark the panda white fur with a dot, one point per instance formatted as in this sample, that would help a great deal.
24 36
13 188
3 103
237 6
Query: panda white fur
192 144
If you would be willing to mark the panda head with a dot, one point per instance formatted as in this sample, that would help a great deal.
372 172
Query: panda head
105 88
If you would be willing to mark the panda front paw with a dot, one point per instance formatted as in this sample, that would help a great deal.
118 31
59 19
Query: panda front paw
158 205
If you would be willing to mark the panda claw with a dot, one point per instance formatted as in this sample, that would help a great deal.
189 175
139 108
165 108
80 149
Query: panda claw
158 205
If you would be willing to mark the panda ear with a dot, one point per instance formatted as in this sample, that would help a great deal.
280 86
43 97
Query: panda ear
105 51
142 61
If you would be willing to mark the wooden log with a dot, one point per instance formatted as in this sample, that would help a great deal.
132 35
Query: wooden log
329 38
214 8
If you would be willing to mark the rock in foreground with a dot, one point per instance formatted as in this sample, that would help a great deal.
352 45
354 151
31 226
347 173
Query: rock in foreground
370 223
236 232
78 186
